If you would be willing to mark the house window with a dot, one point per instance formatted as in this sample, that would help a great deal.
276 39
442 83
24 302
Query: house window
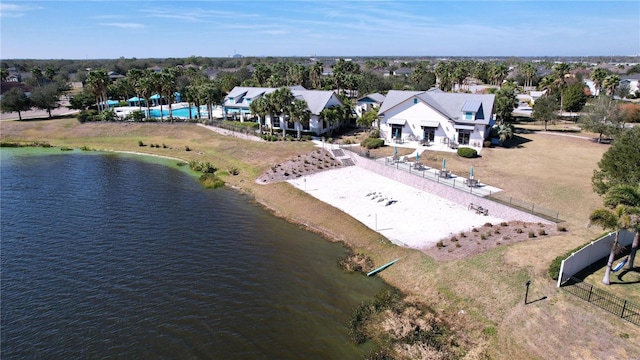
468 115
231 100
415 100
276 121
248 101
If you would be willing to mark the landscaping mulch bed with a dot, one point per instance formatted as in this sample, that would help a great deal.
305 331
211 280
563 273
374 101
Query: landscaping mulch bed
465 244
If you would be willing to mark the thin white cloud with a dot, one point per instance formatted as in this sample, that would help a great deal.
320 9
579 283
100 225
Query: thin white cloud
124 25
15 11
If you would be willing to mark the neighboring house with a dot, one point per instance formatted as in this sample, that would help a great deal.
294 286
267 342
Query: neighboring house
366 103
13 78
593 91
113 76
437 117
8 85
632 82
237 105
403 71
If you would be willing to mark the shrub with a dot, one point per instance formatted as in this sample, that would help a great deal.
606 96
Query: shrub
458 245
561 228
474 230
211 181
187 148
541 232
466 152
483 237
532 234
375 133
488 224
371 143
519 231
440 244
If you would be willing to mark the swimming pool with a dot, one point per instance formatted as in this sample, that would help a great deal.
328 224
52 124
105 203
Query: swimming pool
182 113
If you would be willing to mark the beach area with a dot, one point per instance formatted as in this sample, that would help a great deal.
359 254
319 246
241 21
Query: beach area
403 214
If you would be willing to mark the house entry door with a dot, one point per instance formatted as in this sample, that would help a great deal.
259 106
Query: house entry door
428 134
396 132
463 137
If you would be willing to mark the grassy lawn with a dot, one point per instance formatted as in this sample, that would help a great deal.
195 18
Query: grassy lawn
482 296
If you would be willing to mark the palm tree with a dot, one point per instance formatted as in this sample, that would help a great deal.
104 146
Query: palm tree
315 75
261 74
168 79
98 80
258 107
135 77
148 86
528 71
611 83
299 111
597 76
560 71
270 108
627 195
330 115
444 72
615 219
504 131
282 100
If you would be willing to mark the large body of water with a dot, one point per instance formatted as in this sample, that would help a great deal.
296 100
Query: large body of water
110 257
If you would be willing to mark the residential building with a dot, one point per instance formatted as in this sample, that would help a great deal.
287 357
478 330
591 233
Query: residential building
438 117
237 104
367 103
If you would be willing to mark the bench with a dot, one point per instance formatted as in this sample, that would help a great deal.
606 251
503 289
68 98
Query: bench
418 166
444 173
471 182
478 209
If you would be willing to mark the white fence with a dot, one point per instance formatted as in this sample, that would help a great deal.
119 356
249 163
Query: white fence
591 253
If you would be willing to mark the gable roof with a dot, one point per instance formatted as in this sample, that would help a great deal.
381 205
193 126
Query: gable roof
376 97
316 99
450 105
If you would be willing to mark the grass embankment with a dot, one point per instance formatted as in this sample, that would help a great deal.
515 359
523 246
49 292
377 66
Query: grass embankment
482 296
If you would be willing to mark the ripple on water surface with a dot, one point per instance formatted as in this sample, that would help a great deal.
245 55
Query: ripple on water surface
111 257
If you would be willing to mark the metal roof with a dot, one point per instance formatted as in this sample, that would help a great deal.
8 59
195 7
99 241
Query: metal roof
471 106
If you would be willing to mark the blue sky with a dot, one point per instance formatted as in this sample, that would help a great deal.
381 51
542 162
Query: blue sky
160 28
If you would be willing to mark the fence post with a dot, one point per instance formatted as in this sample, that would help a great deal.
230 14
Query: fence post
624 307
532 205
590 290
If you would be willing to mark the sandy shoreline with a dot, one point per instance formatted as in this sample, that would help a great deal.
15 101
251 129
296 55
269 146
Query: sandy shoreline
414 218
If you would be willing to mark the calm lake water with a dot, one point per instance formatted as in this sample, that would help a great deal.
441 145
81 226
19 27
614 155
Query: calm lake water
107 256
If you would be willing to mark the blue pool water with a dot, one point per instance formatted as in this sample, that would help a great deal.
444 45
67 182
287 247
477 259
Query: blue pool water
180 113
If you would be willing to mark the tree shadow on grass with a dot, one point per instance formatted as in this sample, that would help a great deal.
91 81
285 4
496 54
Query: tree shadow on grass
516 142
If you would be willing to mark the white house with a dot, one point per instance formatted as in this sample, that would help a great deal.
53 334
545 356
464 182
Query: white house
367 103
437 117
237 105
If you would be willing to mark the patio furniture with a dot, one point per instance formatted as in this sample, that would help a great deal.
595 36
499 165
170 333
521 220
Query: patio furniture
418 166
445 174
472 182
